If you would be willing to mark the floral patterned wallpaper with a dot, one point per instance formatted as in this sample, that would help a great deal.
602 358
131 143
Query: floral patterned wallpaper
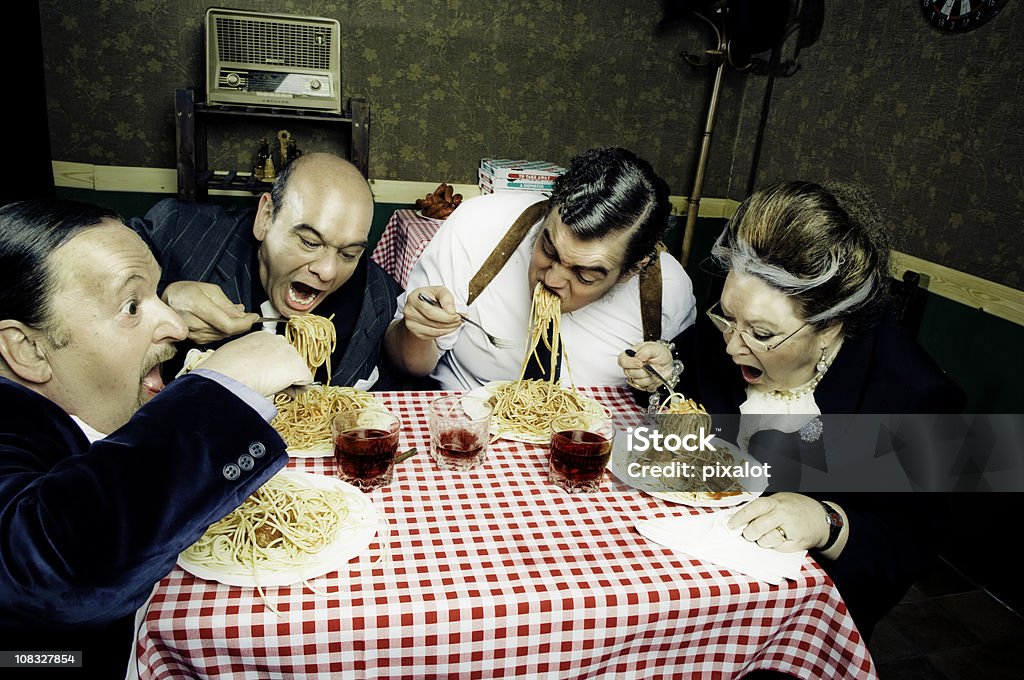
448 82
930 122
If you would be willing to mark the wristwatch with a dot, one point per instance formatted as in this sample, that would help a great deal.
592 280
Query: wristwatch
835 525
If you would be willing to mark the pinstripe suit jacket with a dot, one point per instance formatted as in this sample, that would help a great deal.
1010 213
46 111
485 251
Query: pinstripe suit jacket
214 244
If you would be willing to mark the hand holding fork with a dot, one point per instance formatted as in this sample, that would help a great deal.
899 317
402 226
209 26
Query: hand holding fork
500 343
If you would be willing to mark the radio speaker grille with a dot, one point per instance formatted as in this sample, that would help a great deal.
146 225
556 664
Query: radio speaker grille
273 43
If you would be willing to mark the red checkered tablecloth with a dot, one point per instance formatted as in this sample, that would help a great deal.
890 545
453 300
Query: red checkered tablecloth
406 235
494 572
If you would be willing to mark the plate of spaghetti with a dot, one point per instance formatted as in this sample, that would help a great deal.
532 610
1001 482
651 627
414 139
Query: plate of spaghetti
719 492
298 526
680 413
304 421
523 409
706 499
733 495
680 416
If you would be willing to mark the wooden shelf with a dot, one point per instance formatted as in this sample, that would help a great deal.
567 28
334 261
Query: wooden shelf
288 114
195 179
232 180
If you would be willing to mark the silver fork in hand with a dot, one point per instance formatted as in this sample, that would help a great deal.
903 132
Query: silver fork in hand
497 342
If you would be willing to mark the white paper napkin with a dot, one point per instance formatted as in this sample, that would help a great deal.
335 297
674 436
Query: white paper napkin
707 537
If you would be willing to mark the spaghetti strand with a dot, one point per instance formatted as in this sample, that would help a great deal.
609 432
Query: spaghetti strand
528 406
314 338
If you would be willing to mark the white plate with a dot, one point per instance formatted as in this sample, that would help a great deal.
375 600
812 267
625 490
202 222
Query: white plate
487 391
318 452
754 486
419 213
354 535
697 501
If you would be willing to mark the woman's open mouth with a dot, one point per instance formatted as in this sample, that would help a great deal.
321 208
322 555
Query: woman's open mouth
751 374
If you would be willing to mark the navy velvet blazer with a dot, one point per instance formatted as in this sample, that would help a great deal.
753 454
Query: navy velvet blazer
213 244
87 530
893 536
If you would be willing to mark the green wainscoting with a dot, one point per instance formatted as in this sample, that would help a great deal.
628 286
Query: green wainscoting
980 352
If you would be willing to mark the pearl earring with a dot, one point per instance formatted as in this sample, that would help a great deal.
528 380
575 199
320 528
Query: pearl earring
822 365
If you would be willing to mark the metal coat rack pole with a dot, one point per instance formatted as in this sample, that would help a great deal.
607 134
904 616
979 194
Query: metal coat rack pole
717 55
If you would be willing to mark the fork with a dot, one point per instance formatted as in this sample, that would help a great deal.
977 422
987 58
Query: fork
497 342
654 372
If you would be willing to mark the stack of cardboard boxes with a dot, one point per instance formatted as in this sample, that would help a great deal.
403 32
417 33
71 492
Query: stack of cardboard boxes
503 174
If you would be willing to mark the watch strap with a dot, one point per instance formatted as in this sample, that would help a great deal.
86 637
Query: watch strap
835 525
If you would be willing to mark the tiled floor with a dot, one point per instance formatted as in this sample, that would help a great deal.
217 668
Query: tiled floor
946 628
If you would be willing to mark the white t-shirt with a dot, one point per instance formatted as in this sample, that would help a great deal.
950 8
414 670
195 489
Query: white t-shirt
592 337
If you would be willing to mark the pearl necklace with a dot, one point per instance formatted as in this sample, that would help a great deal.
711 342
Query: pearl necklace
797 392
808 387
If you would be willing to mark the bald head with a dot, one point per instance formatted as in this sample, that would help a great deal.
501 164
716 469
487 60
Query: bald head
316 173
313 230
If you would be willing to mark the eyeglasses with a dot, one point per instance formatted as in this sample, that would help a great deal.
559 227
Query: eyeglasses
726 326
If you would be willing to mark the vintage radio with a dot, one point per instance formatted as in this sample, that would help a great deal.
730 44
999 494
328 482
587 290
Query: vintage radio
275 60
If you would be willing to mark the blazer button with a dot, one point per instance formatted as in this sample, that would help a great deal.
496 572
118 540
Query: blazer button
257 449
231 472
246 462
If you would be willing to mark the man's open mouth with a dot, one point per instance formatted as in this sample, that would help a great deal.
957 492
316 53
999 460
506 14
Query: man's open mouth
301 297
152 381
552 292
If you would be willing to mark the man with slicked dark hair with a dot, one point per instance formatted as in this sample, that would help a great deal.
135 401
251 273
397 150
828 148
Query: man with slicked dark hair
594 244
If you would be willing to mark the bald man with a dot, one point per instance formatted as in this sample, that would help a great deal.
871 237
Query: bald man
302 250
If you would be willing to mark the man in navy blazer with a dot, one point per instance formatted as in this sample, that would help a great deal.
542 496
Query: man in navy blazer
302 249
88 525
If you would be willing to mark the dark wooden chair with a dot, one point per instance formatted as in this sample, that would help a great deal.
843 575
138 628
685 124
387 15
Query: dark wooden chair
908 298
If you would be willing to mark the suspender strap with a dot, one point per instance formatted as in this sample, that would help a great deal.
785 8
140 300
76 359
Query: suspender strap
650 276
650 299
503 251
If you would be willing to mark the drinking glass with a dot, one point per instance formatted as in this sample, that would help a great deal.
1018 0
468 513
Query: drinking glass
580 450
365 442
459 431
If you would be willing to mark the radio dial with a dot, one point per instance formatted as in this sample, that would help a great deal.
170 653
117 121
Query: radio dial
233 79
314 85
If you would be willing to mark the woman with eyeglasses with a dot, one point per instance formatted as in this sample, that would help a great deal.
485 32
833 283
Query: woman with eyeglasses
803 326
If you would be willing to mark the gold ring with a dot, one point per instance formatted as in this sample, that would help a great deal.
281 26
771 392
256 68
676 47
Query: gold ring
782 533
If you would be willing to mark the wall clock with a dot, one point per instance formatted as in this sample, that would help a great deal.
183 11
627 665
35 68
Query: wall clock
958 16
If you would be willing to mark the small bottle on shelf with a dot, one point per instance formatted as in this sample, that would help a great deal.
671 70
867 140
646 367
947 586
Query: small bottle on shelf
293 152
259 165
